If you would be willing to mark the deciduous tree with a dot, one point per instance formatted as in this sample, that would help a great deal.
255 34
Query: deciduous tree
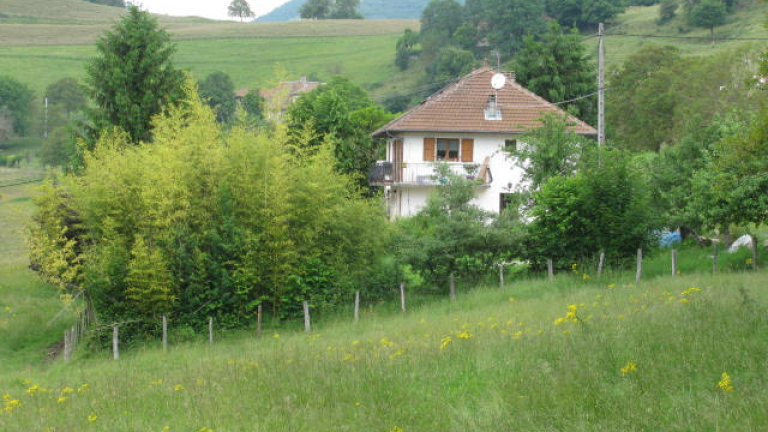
217 90
16 100
240 9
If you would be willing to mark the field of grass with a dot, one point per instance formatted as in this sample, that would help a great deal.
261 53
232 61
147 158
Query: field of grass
540 356
746 24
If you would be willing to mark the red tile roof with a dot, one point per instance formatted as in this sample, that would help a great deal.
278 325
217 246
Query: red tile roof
460 107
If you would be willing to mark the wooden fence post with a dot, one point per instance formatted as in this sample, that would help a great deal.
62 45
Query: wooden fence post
165 333
639 273
307 322
714 259
357 306
453 286
67 345
754 252
210 330
258 321
402 296
674 262
600 264
501 276
115 342
550 269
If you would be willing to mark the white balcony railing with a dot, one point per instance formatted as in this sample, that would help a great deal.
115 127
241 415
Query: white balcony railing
386 173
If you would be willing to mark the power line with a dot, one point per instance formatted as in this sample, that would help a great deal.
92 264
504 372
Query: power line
707 38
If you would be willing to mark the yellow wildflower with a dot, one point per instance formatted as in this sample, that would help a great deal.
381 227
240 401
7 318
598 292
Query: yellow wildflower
165 429
276 335
725 382
683 300
464 335
396 429
178 387
445 341
62 399
92 417
512 299
386 342
585 277
630 367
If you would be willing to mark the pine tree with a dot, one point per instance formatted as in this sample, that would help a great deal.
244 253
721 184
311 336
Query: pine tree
132 77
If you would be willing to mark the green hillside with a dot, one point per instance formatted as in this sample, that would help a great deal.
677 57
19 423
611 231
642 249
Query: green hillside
42 53
637 27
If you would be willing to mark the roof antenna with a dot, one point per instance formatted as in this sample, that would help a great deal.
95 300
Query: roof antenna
498 59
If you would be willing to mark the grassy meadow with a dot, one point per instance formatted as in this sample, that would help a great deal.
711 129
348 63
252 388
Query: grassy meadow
544 356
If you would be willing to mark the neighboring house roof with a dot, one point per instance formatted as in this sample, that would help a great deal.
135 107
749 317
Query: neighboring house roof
460 107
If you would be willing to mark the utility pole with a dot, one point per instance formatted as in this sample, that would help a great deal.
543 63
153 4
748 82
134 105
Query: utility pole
600 88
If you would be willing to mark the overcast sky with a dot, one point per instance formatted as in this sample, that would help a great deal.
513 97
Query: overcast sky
214 9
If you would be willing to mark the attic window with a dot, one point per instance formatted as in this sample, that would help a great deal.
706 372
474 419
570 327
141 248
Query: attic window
492 111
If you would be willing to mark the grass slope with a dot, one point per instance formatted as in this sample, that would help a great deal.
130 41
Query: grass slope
746 23
633 358
249 61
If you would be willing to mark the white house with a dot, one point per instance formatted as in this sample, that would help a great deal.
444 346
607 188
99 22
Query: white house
471 125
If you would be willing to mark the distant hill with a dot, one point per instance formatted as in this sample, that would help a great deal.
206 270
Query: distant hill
371 9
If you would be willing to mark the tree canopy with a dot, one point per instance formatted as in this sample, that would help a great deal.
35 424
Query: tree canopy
333 9
132 77
556 68
15 102
203 223
240 9
218 91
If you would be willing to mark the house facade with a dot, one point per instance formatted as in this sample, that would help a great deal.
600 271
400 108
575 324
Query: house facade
473 126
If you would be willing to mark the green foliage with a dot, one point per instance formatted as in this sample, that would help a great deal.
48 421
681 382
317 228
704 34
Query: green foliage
67 94
218 91
15 100
643 86
667 10
333 9
342 113
584 13
132 77
253 103
240 9
451 63
708 14
406 47
346 9
315 9
665 91
556 67
600 208
450 235
551 150
681 176
202 224
505 23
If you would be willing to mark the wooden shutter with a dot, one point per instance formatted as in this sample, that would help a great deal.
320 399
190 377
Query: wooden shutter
429 149
467 150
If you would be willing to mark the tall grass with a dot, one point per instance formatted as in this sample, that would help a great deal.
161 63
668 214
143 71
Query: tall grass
482 363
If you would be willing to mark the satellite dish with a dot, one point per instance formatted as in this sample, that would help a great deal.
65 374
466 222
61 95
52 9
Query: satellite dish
498 81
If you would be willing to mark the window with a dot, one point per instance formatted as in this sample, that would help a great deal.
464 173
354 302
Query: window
510 146
448 149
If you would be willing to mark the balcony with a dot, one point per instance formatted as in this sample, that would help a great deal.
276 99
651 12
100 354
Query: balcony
386 173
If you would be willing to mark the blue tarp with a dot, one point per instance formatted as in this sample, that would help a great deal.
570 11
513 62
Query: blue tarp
667 239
